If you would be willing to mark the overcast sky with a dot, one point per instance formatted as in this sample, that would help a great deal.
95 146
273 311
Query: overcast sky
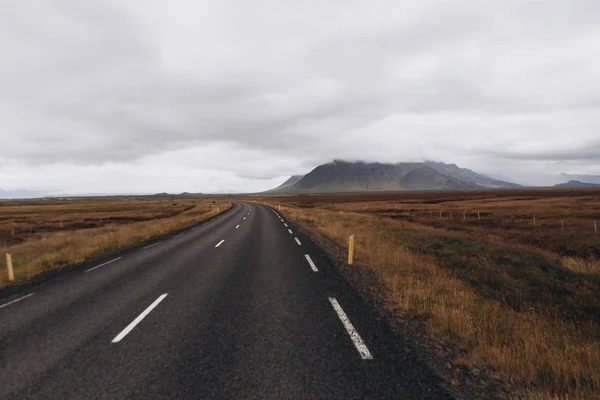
147 96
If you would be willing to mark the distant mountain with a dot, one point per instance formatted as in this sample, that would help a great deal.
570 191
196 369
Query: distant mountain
183 194
581 178
470 176
188 194
19 194
342 176
291 182
576 184
287 184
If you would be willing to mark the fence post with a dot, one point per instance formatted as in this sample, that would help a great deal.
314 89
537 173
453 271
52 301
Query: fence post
9 267
479 216
351 250
440 215
562 225
534 219
464 217
595 227
279 207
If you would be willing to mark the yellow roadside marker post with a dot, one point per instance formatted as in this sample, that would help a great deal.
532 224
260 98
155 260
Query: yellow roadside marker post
351 250
9 267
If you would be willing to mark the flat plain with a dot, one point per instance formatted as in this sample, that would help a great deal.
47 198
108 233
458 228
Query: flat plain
507 280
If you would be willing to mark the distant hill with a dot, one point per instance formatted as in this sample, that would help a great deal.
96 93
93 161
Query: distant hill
184 194
581 178
19 194
342 176
576 184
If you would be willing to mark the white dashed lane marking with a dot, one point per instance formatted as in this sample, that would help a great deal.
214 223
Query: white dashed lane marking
311 263
364 352
139 319
102 265
16 300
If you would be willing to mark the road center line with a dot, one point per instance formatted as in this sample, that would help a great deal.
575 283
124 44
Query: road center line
364 352
220 243
244 217
102 265
152 245
298 241
16 300
290 231
237 227
311 263
285 224
139 319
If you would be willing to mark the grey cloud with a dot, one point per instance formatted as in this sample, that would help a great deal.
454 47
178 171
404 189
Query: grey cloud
299 83
587 153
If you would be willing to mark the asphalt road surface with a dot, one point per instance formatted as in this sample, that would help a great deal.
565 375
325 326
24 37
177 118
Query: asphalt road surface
241 307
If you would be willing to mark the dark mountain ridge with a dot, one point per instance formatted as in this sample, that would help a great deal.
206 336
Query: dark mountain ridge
342 176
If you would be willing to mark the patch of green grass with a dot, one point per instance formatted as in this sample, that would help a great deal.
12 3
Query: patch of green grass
518 277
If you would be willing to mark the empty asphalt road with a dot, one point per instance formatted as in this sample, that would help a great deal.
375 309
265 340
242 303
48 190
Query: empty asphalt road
240 307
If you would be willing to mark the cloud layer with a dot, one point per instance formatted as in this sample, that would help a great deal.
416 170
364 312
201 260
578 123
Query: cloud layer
233 95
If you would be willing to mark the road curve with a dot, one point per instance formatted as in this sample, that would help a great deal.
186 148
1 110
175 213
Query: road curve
241 307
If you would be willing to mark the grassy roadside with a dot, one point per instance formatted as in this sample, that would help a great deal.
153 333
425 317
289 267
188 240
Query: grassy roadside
509 308
57 249
563 225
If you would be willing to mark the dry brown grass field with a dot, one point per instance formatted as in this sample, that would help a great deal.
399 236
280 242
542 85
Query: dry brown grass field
515 298
48 234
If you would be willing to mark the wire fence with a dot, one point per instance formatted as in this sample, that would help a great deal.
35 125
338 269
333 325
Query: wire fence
500 220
